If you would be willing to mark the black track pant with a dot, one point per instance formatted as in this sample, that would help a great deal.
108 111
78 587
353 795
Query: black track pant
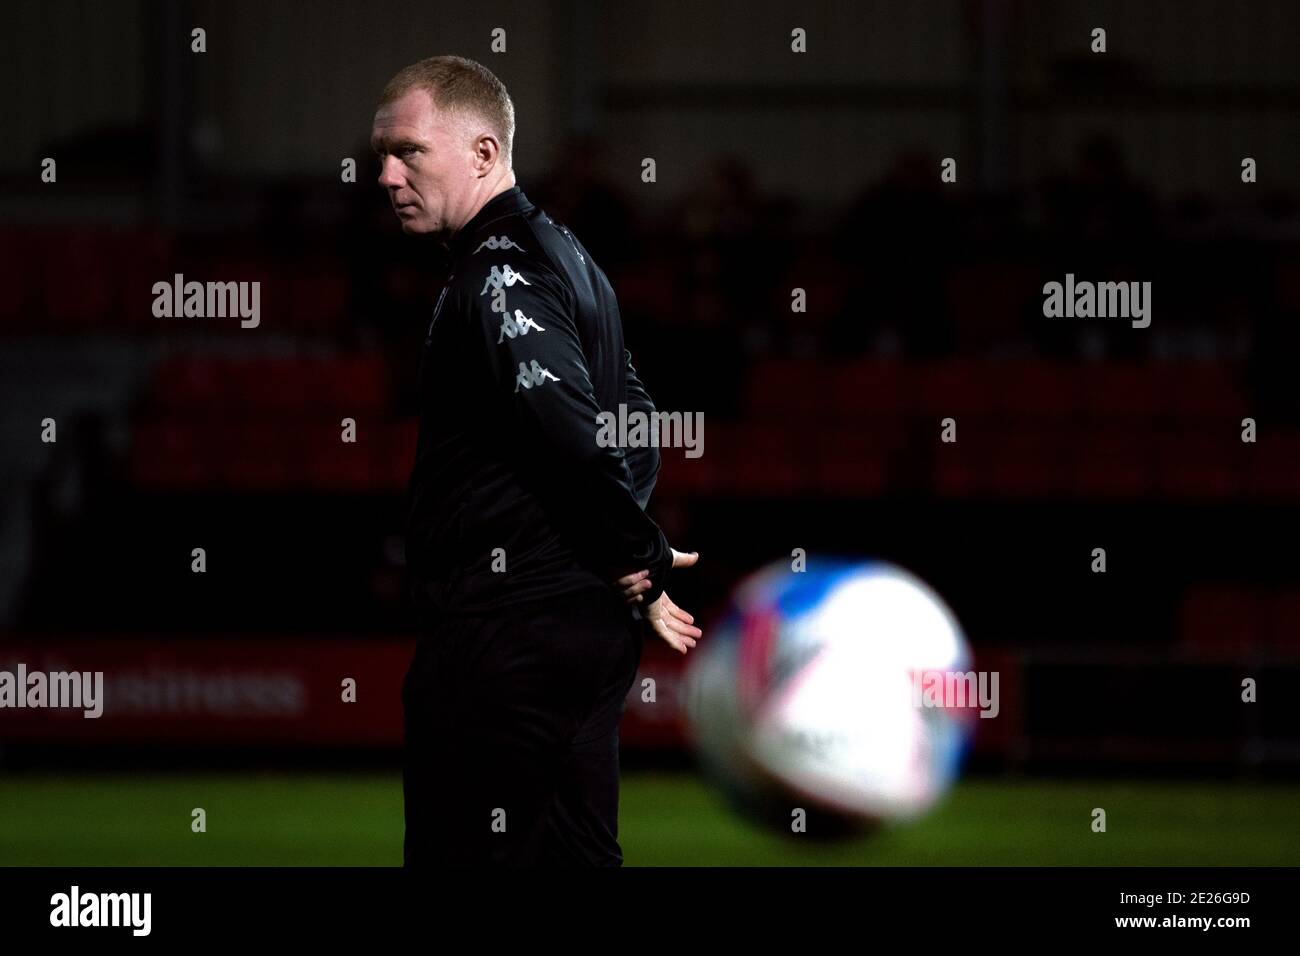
512 735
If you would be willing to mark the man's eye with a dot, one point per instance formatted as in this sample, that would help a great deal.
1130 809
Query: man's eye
406 151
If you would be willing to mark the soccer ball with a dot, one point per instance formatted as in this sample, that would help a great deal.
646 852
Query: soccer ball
806 695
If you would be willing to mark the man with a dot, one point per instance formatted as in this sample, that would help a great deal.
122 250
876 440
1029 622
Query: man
526 539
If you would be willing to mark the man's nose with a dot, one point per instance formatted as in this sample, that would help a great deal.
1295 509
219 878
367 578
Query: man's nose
390 173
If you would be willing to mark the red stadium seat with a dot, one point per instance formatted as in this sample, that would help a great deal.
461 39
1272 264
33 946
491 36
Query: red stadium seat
651 288
789 388
141 258
330 464
1282 627
16 275
960 468
1221 617
318 302
1126 389
1032 388
1026 459
1197 391
1112 460
76 282
1273 464
870 388
854 461
759 459
1199 464
959 387
198 385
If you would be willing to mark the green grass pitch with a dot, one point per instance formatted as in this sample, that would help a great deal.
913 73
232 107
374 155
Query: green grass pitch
666 819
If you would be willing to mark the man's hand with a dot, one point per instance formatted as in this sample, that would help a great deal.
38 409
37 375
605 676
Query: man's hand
672 623
633 584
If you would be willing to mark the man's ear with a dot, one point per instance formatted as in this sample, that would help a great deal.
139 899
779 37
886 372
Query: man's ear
487 153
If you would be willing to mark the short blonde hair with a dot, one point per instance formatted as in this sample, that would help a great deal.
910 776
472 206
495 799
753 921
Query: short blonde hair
456 83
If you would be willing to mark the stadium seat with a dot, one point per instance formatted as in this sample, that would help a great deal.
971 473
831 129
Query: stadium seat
959 387
1221 617
76 279
1273 464
16 273
1111 459
854 461
203 386
1040 389
789 389
872 388
1123 389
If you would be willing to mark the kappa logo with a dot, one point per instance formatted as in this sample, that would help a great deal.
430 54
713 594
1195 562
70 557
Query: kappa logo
497 242
513 326
499 278
532 374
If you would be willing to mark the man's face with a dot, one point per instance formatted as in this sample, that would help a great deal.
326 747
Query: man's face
425 158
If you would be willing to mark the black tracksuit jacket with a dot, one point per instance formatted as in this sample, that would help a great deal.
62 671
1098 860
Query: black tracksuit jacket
524 350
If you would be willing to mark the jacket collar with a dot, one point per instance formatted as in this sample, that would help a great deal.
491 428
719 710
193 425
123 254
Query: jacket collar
503 204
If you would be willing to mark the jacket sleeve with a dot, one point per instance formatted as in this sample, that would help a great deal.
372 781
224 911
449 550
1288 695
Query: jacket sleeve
643 461
526 320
